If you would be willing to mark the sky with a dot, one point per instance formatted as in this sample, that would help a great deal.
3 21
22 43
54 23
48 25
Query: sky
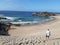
30 5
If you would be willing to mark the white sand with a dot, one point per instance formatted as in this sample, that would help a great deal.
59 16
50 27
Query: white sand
33 35
40 29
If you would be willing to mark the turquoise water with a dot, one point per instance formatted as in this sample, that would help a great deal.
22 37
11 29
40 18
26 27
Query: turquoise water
20 16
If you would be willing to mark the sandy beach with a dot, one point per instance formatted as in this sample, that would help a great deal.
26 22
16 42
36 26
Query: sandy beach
40 29
33 35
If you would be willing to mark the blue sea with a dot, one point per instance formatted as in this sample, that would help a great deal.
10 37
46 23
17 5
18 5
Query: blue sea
23 17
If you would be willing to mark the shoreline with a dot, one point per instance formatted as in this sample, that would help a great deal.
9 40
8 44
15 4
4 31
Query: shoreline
27 34
21 29
40 23
37 23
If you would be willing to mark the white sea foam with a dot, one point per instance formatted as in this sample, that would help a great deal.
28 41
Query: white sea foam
19 21
11 18
23 23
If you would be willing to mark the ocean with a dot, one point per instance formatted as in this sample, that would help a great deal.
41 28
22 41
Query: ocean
23 17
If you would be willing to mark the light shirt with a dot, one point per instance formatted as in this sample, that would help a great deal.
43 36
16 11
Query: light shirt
48 33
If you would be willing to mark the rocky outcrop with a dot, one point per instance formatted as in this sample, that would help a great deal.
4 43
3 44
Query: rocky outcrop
4 27
44 14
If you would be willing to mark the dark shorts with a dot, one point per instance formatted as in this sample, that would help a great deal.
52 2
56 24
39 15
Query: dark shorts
47 36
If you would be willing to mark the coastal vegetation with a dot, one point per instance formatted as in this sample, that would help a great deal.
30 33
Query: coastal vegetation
4 27
45 14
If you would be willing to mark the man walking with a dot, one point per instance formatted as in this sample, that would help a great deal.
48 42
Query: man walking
48 33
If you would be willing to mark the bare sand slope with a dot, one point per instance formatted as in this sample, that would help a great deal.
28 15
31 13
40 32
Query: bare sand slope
40 29
27 41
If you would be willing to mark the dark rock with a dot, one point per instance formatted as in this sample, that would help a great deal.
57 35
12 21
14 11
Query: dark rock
4 28
46 14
